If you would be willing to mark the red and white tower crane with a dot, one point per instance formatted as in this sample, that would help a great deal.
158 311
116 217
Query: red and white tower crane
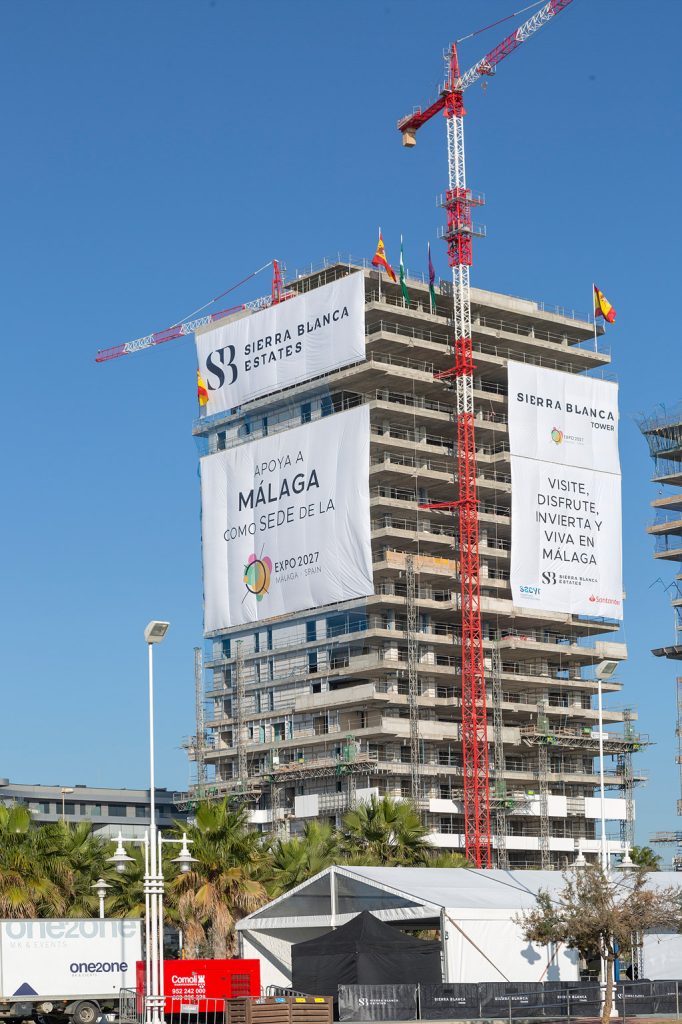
458 234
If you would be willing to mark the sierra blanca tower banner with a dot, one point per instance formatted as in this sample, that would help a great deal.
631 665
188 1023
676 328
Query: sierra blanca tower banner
566 553
285 522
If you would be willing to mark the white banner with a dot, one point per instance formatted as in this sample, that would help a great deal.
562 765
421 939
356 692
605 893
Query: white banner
73 957
285 522
566 539
283 345
563 417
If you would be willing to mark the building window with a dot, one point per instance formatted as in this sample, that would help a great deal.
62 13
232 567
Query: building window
141 811
117 810
96 810
316 687
221 438
310 631
41 806
69 808
312 661
305 412
278 732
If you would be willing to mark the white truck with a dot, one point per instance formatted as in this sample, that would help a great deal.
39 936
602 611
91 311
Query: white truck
52 969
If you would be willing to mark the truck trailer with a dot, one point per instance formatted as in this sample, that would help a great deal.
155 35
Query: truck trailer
67 968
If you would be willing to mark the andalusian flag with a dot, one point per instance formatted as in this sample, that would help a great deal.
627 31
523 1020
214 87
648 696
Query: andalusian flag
602 306
202 390
432 281
381 261
403 285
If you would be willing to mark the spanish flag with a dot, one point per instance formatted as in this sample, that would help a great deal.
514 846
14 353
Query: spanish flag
381 261
202 390
602 306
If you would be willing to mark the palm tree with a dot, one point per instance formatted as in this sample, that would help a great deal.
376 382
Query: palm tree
385 831
299 858
448 859
72 857
223 884
645 857
25 891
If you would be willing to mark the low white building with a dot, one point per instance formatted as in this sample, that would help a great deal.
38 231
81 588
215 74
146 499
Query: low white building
474 910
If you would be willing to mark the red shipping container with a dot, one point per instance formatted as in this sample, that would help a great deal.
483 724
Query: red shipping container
194 985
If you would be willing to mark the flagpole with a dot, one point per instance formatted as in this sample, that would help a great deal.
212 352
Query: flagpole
594 317
379 269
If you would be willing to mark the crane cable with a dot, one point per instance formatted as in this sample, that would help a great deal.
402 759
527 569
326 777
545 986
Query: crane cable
495 23
222 295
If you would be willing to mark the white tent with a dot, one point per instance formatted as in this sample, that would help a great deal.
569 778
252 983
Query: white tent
474 910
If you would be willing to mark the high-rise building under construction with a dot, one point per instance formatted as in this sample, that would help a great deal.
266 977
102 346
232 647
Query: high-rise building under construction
663 432
308 713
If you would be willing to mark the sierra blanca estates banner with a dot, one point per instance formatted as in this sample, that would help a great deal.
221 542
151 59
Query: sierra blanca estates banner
285 522
283 345
566 553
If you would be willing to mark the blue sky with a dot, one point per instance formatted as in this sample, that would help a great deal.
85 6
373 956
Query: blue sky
154 154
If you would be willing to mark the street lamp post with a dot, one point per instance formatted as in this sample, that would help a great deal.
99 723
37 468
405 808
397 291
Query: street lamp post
153 862
153 904
100 887
154 634
604 670
64 790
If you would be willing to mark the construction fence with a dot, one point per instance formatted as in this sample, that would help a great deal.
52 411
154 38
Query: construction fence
504 1001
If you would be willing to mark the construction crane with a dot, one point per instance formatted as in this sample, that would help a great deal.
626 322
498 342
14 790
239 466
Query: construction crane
458 234
179 330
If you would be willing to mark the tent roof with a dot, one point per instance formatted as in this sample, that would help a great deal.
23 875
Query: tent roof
361 933
401 894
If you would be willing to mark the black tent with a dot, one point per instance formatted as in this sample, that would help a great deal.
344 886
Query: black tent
363 952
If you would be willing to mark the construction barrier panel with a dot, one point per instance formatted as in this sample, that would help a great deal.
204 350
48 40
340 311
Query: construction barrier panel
644 998
515 999
377 1002
449 1002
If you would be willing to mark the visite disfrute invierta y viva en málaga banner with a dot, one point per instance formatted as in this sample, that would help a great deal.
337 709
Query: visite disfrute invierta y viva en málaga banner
285 522
566 551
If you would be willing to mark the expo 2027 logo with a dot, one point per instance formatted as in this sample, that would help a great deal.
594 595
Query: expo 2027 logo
257 573
557 435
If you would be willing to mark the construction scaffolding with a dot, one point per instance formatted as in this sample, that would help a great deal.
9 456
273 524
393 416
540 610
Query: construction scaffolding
413 682
545 739
625 769
500 804
238 715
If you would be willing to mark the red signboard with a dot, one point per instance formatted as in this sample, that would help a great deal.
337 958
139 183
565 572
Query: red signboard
193 984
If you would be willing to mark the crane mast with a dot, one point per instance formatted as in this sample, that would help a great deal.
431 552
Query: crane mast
458 234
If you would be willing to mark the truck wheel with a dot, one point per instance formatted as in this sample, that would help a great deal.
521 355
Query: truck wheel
86 1013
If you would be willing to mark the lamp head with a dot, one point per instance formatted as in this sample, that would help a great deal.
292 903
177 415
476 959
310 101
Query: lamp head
155 631
184 859
605 669
100 887
120 858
